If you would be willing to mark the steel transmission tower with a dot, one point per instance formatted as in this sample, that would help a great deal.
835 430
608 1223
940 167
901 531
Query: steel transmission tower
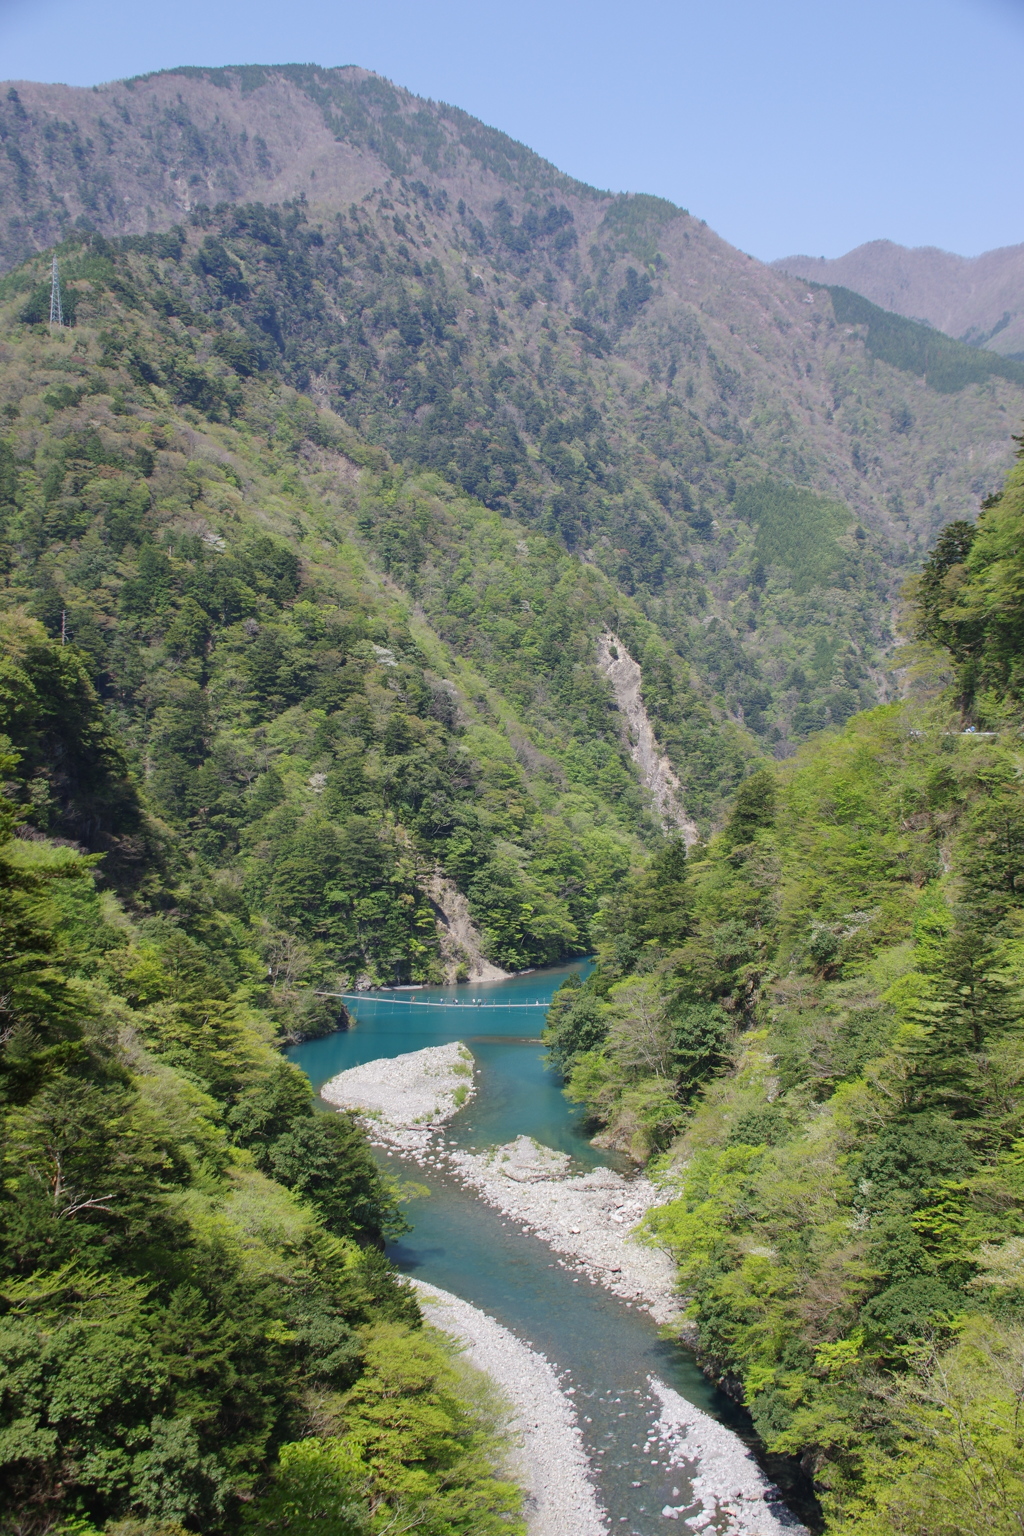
56 313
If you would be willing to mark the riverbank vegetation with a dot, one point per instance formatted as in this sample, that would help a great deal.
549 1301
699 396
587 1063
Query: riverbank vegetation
814 1024
265 687
192 1291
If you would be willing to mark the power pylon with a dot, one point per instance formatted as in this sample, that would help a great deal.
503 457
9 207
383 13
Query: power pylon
56 313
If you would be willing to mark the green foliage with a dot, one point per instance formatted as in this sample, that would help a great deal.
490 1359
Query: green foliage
945 364
315 752
968 600
322 863
428 1454
402 348
796 529
753 808
272 687
267 755
570 384
932 591
954 1463
166 1307
72 771
317 1490
828 1047
633 223
188 1250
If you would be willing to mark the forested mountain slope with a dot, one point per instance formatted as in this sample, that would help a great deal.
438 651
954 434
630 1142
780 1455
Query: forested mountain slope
230 768
190 1275
322 741
712 435
236 754
313 516
817 1019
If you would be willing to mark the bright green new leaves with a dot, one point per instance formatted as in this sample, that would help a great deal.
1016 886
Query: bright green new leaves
319 1489
408 1419
845 1206
970 600
409 1454
955 1462
188 1252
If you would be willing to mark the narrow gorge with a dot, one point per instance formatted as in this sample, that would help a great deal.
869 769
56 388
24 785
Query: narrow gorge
561 1218
511 846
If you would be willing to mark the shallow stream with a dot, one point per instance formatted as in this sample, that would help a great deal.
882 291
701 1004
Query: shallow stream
606 1349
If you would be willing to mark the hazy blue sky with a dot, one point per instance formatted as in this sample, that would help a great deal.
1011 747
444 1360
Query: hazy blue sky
791 127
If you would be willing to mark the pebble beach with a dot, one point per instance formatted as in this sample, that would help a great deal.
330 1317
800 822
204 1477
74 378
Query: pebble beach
549 1460
589 1221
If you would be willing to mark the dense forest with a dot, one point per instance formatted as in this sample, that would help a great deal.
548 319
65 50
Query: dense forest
262 688
306 547
198 1330
336 675
483 354
236 753
813 1026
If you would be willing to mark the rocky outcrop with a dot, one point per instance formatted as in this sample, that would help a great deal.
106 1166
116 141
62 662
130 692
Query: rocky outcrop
460 938
529 1162
656 772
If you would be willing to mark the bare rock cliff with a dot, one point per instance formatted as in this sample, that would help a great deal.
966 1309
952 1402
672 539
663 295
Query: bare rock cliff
656 772
460 938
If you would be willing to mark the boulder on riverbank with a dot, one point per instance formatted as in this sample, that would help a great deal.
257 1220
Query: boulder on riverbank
527 1161
405 1097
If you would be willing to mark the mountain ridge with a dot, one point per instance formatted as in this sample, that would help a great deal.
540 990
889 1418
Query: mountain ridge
266 132
322 526
710 433
977 299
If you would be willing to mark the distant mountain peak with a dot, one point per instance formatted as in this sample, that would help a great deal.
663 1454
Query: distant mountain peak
133 156
977 299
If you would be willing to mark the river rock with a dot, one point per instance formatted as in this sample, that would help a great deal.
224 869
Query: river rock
589 1217
406 1096
561 1499
725 1477
527 1161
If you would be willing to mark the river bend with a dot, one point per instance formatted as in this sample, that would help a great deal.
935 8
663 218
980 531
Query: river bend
602 1348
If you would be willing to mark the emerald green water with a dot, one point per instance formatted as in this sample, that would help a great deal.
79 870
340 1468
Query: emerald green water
605 1349
517 1093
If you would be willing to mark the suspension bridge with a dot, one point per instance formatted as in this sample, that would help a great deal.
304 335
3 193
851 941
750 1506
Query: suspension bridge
417 1002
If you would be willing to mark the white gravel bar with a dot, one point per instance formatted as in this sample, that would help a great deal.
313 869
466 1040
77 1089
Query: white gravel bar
589 1217
406 1097
728 1492
549 1461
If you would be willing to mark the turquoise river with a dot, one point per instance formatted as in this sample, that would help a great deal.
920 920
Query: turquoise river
605 1349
